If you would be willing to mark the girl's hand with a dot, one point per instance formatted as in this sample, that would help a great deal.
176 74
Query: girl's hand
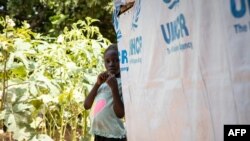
102 77
111 81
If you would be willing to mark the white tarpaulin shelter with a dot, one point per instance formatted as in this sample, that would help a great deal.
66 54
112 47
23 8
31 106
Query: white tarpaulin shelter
185 68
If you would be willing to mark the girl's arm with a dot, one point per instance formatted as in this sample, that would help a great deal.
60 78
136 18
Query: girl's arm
91 97
117 102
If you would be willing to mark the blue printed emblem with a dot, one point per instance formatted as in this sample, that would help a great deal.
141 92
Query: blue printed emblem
239 10
136 14
172 3
116 23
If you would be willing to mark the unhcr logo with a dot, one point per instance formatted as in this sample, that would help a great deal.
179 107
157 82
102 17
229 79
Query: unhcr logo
116 23
172 3
239 10
136 14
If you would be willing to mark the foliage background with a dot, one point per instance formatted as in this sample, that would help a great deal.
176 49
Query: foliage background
51 16
50 54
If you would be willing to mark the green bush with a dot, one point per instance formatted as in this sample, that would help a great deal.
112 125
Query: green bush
44 80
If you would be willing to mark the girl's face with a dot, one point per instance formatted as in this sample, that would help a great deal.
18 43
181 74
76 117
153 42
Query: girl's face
111 62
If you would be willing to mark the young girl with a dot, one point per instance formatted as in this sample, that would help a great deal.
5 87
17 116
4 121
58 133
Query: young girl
106 97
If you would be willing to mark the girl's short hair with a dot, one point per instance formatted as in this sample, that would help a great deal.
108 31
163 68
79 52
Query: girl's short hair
111 47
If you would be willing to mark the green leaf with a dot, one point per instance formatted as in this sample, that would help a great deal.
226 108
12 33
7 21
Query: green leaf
21 107
57 19
33 89
11 123
21 45
47 99
21 134
65 97
18 70
37 103
37 123
54 90
18 94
